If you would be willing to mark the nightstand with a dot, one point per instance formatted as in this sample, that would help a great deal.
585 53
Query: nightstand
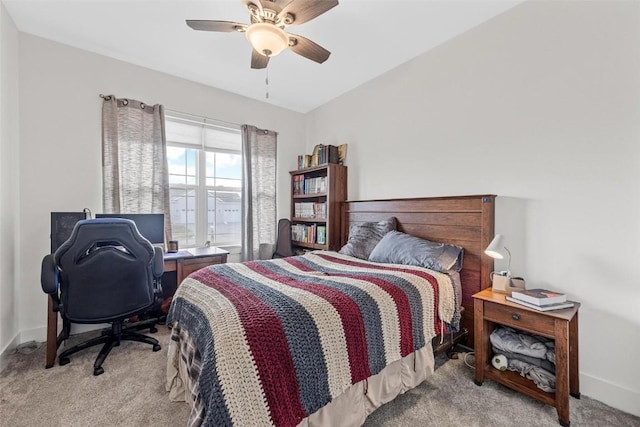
491 309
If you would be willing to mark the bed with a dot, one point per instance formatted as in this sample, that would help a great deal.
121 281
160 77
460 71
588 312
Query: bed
325 338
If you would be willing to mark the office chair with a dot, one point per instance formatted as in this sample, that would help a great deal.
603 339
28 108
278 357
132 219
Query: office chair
106 272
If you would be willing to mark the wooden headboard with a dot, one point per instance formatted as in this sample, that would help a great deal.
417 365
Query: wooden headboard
466 221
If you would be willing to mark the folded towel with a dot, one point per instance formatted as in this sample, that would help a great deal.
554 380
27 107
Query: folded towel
508 339
544 379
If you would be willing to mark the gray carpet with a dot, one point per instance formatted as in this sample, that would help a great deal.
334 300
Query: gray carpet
131 393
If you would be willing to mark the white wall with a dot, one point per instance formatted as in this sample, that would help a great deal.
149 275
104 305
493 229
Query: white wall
540 106
8 179
60 155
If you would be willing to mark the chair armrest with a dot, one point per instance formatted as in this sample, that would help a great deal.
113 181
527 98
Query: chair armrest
49 275
158 262
50 280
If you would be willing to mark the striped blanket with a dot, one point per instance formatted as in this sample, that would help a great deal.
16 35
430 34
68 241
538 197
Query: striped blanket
277 340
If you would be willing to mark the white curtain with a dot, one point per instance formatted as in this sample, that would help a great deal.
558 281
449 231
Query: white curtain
135 173
259 193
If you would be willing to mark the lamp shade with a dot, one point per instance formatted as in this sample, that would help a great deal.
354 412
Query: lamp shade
495 247
267 39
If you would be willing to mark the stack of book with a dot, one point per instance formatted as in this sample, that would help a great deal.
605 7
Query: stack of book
323 154
313 210
540 299
303 185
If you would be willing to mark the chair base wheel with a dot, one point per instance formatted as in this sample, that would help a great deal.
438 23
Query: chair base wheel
153 330
98 371
156 347
63 361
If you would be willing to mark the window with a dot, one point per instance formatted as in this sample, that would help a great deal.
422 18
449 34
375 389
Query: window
205 180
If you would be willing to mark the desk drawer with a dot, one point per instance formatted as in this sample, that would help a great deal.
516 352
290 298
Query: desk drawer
519 318
189 265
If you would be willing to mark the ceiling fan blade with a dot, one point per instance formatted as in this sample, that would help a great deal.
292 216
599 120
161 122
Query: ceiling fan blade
305 47
258 60
305 10
222 26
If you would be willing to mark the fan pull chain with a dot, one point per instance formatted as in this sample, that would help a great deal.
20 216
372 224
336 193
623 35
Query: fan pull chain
266 81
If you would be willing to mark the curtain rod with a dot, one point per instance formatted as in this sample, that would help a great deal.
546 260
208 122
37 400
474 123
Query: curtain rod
238 125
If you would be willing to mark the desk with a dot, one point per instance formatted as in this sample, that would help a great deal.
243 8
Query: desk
182 263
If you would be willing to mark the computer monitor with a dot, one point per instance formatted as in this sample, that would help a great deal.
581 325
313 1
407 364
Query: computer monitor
151 226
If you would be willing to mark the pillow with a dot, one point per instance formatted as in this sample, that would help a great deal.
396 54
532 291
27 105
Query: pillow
364 237
400 248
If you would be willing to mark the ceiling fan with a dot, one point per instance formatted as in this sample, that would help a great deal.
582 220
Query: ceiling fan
266 33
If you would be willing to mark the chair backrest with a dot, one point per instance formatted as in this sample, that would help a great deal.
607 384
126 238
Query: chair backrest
284 247
106 271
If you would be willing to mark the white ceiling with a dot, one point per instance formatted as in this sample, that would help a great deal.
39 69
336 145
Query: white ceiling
366 38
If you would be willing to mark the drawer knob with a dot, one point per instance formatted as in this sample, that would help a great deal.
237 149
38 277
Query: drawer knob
515 316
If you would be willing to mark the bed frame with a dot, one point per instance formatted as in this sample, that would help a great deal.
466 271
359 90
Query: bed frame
466 221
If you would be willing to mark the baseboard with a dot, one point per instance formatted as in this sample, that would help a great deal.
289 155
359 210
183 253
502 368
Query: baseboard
611 394
35 334
8 349
40 334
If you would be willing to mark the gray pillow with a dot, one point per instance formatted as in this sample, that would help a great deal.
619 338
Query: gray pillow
364 237
400 248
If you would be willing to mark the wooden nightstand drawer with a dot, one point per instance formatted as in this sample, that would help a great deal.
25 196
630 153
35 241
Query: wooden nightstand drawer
520 319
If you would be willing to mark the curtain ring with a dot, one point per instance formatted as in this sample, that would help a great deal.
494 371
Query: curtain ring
142 105
266 131
125 102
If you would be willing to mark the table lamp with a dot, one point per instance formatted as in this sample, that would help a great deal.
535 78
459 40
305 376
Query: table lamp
501 280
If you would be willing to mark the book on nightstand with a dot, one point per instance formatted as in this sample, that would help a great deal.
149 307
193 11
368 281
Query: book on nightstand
539 297
548 307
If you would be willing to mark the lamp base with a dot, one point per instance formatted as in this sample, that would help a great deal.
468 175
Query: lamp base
506 284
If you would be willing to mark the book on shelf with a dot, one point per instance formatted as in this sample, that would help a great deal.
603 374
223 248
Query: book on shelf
342 154
304 161
321 237
548 307
539 296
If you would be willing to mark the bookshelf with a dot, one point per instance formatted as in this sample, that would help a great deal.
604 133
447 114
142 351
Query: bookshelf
316 196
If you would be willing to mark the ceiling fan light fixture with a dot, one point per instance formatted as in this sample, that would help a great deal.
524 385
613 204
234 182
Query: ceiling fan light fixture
267 39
